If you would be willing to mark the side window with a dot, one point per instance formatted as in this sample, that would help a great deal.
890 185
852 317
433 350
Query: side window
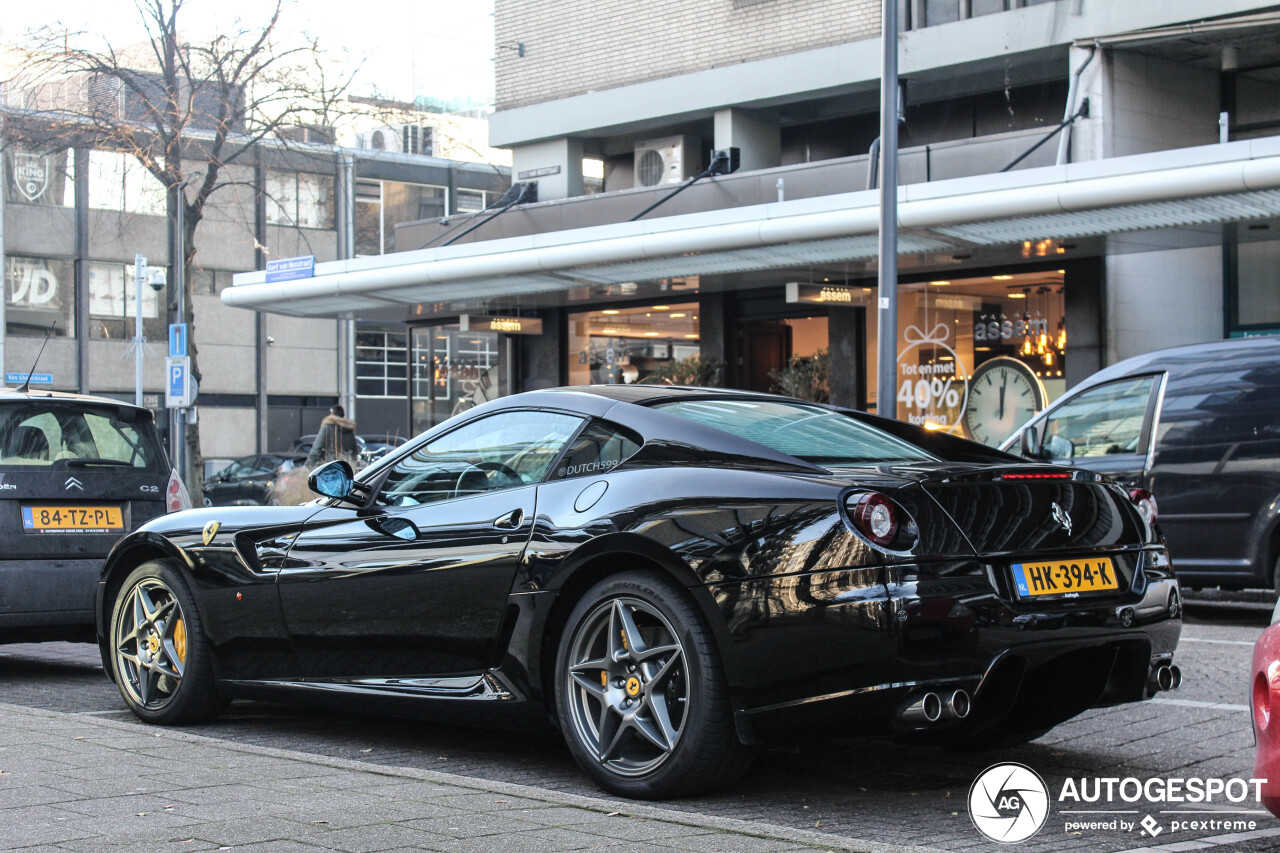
1101 421
498 452
598 449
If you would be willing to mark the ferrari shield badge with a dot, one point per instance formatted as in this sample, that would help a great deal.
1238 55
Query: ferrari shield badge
210 531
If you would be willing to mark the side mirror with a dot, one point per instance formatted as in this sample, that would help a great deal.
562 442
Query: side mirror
1030 443
400 528
1060 448
333 480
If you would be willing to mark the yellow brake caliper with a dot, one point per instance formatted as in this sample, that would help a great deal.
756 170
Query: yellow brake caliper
180 639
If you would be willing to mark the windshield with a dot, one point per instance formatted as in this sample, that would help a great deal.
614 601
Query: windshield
811 433
36 434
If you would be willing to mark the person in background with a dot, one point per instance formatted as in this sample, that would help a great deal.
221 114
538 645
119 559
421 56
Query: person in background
336 439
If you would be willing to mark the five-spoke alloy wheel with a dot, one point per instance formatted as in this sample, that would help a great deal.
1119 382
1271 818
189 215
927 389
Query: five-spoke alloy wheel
640 692
158 652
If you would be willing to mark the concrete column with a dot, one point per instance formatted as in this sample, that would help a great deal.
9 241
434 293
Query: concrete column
846 338
555 164
755 133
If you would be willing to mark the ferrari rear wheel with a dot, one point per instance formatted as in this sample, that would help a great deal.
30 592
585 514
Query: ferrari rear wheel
641 694
159 655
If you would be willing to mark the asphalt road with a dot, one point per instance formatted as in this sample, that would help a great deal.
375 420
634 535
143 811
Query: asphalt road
869 790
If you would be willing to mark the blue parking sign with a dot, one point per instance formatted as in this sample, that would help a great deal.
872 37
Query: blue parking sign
178 390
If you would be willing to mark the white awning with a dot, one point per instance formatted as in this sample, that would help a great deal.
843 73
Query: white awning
1230 182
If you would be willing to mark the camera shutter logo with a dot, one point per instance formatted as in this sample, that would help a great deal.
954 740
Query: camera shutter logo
1008 803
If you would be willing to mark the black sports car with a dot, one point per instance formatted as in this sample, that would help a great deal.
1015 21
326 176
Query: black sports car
672 575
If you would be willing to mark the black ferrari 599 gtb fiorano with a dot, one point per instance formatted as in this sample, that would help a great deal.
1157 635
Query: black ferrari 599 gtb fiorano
671 575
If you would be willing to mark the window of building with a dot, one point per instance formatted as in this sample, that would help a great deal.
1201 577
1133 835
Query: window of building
916 14
1253 279
117 181
113 303
472 201
632 344
299 199
39 177
381 205
37 292
381 363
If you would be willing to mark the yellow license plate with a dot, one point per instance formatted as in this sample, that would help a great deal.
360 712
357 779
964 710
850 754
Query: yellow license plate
72 519
1059 577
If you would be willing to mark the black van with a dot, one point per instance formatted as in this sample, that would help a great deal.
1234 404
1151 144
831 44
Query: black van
76 474
1198 427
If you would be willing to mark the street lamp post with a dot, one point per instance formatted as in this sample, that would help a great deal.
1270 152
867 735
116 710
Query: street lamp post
887 351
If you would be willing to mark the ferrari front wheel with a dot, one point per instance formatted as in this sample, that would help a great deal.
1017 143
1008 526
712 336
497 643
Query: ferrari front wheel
159 654
640 691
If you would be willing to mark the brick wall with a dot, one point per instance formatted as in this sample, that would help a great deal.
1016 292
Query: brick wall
578 46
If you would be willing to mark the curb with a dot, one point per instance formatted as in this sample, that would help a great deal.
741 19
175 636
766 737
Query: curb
624 808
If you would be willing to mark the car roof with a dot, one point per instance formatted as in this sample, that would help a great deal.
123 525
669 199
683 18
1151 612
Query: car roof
8 394
645 395
1192 358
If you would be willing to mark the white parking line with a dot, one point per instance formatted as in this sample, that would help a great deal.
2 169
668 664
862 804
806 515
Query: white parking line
1216 642
1211 841
1194 703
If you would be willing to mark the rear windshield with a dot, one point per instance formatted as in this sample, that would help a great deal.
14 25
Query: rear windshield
36 434
811 433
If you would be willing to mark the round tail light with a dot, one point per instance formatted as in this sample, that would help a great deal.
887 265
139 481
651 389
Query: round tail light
1146 503
875 517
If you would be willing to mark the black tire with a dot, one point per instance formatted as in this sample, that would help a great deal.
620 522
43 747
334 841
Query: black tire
146 657
687 691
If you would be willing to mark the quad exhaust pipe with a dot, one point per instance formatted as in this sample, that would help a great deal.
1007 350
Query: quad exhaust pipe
1164 677
923 709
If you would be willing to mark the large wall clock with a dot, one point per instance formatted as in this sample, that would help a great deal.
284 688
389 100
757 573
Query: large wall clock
1003 394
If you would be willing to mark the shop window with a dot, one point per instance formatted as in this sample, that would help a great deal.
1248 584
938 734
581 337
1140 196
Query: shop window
452 371
299 199
39 177
633 344
117 181
37 292
113 302
949 329
381 364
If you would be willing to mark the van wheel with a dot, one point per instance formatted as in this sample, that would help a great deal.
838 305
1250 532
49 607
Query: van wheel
160 657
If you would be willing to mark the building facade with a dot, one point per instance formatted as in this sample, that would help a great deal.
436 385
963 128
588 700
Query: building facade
1080 181
74 220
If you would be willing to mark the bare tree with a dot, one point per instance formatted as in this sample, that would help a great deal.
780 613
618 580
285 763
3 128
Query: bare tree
185 111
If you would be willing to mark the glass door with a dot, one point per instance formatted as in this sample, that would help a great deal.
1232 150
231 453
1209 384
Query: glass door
452 371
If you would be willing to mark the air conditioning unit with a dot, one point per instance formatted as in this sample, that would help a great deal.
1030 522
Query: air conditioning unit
382 139
670 160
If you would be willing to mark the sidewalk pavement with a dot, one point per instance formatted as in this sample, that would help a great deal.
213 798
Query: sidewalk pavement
82 783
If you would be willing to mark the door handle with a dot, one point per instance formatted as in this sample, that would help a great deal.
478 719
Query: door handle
510 521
